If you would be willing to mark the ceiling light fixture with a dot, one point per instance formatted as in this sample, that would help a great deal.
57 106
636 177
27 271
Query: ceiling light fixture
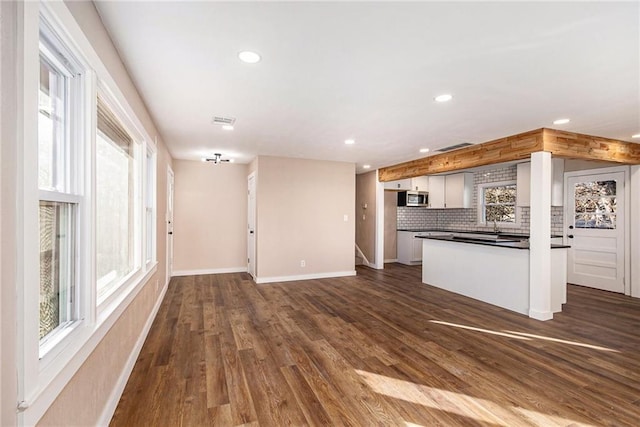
217 159
637 135
249 57
444 97
227 127
350 141
366 166
561 121
424 150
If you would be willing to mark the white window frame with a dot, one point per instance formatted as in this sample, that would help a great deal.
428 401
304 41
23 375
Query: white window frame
41 380
114 293
481 205
74 71
150 174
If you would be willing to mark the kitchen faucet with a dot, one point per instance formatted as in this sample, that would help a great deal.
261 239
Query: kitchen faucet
495 227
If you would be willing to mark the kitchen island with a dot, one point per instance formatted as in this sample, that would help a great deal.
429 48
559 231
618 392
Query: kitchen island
491 269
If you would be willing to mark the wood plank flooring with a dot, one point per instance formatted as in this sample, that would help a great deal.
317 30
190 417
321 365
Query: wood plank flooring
380 348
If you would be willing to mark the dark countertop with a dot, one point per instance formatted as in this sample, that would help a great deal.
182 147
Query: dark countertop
448 230
522 244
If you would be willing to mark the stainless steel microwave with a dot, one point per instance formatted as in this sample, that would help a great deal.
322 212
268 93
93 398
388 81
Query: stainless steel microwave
413 198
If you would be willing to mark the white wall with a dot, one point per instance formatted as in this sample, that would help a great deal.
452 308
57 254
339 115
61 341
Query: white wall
210 217
300 216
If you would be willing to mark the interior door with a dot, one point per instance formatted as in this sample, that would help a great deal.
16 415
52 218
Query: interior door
251 225
595 221
170 189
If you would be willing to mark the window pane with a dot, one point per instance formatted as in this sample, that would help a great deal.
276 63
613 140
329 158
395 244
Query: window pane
52 102
589 220
149 245
56 265
501 194
114 214
500 213
595 189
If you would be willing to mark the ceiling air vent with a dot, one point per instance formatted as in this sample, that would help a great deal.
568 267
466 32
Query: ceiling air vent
453 147
218 120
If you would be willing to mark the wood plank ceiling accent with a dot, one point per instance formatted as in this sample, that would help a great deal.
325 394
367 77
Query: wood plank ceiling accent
518 147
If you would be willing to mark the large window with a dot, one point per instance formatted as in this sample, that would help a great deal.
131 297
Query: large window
117 182
58 196
87 206
497 203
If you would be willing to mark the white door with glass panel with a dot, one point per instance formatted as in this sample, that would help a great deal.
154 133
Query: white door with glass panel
595 222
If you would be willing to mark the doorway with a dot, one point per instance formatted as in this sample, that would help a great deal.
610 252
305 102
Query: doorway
595 228
170 189
251 225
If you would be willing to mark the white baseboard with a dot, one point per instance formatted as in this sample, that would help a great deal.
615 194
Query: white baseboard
116 394
391 260
209 271
305 277
540 315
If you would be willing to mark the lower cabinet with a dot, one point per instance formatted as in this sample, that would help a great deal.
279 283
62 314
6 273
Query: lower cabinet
409 248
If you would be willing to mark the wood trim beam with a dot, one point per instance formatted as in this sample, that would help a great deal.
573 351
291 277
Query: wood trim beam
518 147
586 147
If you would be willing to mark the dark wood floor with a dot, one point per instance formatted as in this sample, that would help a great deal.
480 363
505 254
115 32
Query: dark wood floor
380 349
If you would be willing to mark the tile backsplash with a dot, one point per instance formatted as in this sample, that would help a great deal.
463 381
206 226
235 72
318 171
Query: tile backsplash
467 219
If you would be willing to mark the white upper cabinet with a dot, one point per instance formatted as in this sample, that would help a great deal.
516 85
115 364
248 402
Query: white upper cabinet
400 185
458 190
436 192
557 182
451 191
523 183
420 183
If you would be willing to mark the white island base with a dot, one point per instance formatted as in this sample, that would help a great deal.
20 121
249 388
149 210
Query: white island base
497 275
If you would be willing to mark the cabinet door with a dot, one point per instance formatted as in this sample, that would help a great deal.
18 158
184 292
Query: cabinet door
436 192
404 247
557 182
417 249
401 184
420 183
523 184
458 190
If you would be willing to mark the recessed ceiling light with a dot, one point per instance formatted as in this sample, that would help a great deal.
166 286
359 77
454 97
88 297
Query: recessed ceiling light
227 127
561 121
249 57
366 166
444 97
350 141
637 135
424 150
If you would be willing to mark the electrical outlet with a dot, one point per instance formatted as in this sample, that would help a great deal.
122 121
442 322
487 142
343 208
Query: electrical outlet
303 263
346 217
